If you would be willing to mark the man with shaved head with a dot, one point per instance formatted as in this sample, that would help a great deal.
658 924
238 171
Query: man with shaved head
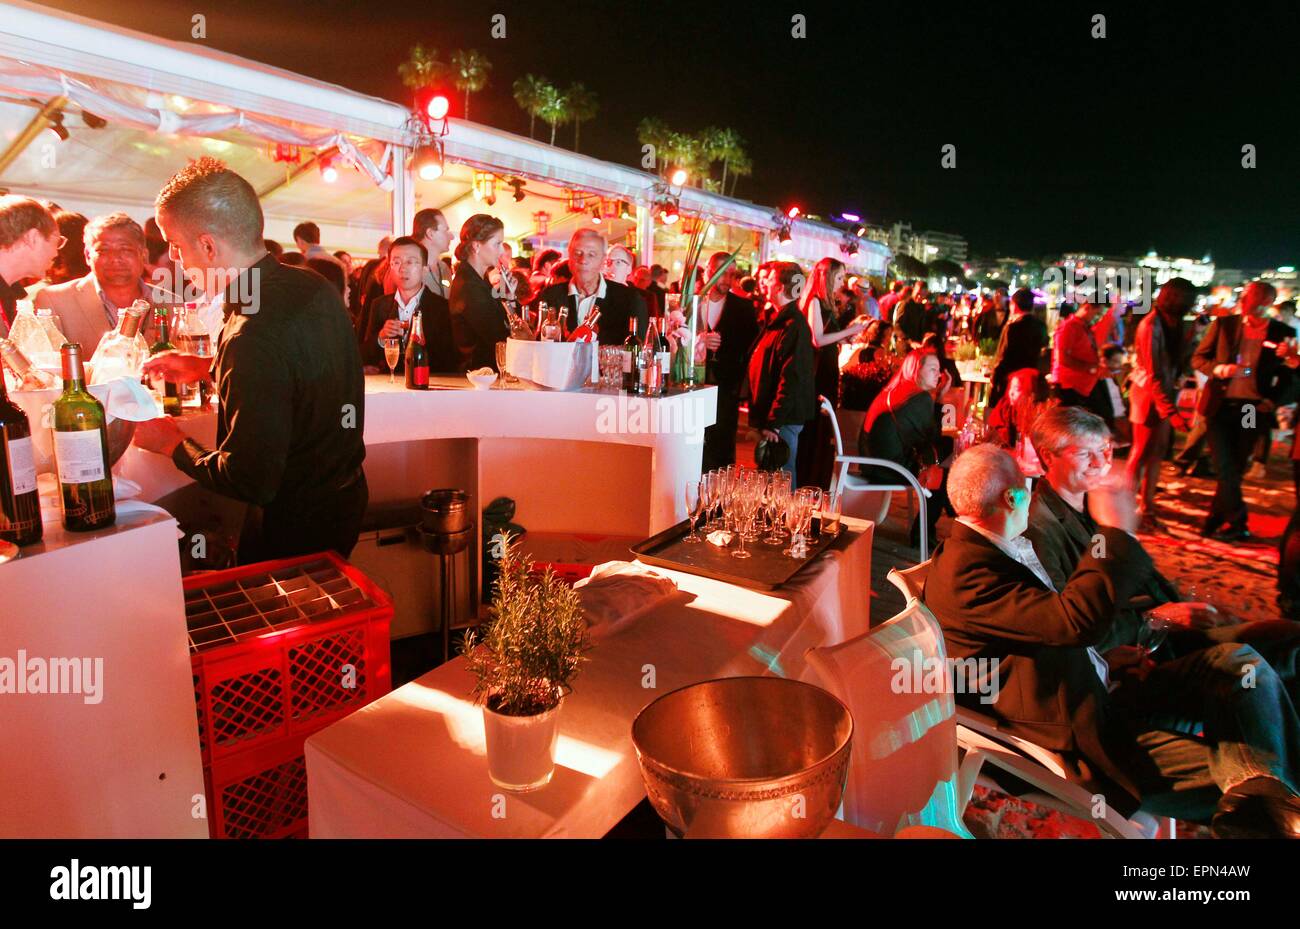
287 372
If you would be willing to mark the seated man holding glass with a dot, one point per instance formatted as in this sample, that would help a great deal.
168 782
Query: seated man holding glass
1129 730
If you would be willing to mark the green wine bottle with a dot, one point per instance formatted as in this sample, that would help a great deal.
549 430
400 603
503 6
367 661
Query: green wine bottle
170 390
20 506
81 451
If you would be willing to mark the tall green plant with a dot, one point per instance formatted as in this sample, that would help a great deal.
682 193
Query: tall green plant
532 645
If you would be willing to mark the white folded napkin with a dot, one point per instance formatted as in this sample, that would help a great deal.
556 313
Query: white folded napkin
617 592
126 398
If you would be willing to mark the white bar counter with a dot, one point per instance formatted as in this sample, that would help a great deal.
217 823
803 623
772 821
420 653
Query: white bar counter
120 758
573 461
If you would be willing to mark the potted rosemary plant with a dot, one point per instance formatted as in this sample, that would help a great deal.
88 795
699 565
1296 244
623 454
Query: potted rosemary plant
523 663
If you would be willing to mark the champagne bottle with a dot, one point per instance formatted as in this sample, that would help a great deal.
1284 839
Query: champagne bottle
631 356
81 451
586 332
20 504
417 356
170 391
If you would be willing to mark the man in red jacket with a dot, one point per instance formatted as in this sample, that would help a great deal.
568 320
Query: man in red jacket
1075 360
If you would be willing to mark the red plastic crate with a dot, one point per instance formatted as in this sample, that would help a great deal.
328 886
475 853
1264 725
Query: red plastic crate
269 643
259 794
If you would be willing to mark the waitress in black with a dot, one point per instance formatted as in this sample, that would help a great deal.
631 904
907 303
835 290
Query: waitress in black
478 318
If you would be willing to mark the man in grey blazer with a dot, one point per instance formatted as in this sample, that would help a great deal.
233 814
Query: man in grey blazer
88 307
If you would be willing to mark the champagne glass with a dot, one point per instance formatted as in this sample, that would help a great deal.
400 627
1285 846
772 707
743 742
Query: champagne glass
793 523
392 353
694 500
778 500
745 504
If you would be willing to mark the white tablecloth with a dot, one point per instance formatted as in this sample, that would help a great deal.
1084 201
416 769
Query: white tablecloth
412 764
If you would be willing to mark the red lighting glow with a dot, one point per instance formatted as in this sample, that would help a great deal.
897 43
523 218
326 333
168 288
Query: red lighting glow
438 107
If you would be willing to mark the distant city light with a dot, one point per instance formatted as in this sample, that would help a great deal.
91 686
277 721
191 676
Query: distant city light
851 217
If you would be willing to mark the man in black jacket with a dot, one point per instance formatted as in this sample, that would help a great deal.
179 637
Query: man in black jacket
781 367
392 313
287 372
1021 345
589 292
1241 356
730 328
1113 721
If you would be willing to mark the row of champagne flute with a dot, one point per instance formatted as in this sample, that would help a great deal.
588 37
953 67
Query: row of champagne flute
746 503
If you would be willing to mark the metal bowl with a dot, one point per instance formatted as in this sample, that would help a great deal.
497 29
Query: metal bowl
745 757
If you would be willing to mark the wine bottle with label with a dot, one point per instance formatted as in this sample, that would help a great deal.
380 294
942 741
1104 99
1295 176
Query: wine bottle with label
81 451
631 355
20 505
170 390
417 356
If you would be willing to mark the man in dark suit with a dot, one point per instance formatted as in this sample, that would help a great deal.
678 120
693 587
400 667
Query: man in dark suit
588 292
730 327
910 315
658 278
391 314
1242 355
1107 718
1021 345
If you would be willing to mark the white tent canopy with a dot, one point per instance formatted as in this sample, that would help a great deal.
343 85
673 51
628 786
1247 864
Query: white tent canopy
167 102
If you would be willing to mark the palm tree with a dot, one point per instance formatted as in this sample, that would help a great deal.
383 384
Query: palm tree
422 68
582 106
530 91
654 131
686 151
741 166
554 108
710 145
471 69
729 147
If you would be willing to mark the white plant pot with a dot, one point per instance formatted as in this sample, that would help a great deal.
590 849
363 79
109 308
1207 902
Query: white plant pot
521 749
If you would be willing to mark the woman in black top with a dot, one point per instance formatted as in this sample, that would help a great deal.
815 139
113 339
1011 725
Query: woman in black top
816 454
903 426
478 318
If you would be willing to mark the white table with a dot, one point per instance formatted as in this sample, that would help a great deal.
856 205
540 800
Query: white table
412 764
127 766
625 458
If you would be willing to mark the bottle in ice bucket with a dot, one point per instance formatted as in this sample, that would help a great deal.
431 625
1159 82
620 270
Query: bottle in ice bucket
417 356
20 505
170 391
586 332
25 376
631 358
551 331
122 351
81 450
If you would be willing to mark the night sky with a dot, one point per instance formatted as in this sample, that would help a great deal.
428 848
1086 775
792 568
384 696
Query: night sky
1063 142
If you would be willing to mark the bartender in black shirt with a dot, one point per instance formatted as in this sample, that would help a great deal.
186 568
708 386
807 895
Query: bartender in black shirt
287 374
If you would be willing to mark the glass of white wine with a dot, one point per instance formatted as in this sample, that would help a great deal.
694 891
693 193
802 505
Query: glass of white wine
392 353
